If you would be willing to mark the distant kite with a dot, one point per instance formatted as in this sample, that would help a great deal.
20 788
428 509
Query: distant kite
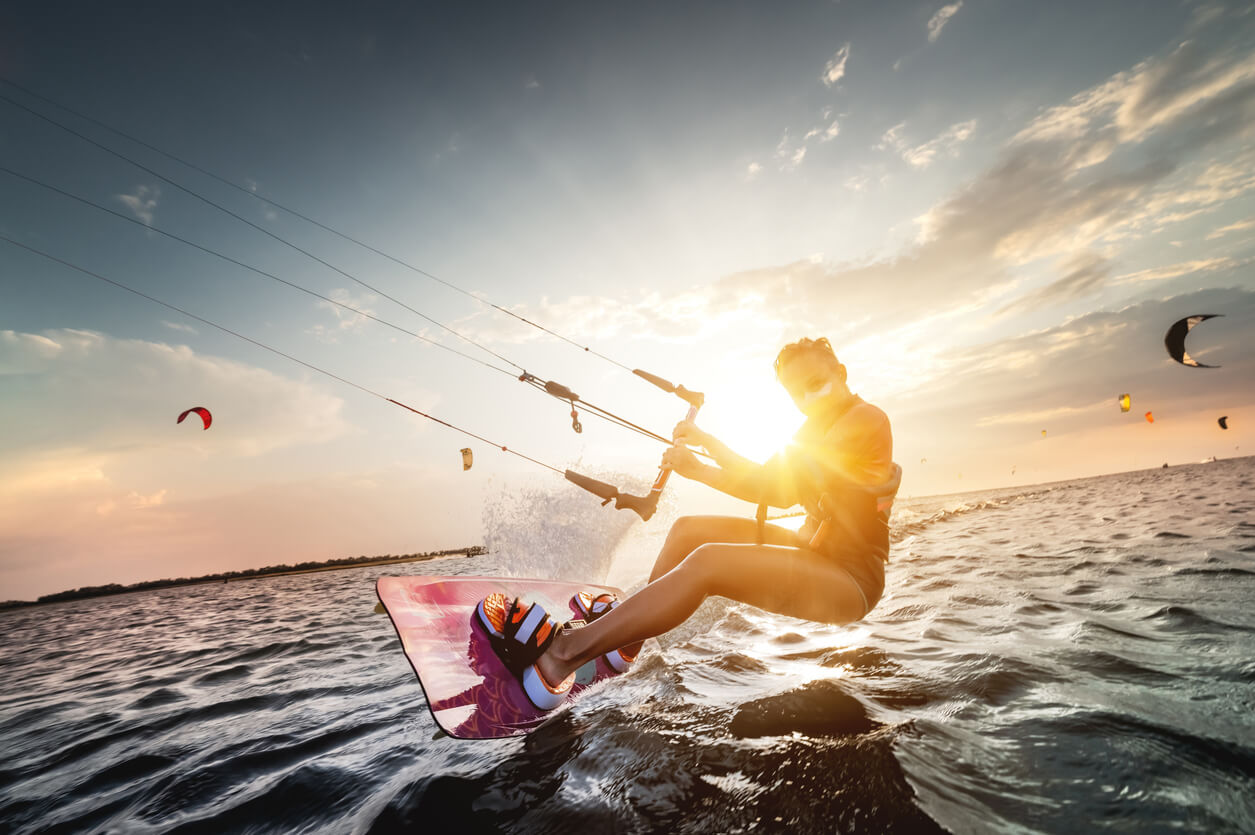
925 460
1043 433
468 458
1174 340
200 410
1125 402
1150 418
1223 420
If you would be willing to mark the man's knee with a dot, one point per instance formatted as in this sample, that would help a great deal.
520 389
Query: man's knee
685 526
702 565
686 533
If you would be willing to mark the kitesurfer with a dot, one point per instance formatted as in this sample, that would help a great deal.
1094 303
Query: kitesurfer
839 467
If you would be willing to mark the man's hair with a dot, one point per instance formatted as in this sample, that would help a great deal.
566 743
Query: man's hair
820 346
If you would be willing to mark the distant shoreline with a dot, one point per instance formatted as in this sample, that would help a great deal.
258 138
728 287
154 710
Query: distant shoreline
310 567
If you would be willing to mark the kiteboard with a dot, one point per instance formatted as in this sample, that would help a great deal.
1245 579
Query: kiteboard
470 693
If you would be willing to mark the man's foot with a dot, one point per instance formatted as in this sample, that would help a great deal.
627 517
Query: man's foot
521 634
559 662
593 606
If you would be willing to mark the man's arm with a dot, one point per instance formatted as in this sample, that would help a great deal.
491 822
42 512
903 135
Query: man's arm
735 474
724 456
751 482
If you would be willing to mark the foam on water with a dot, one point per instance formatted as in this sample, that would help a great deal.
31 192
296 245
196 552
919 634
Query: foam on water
535 531
1073 657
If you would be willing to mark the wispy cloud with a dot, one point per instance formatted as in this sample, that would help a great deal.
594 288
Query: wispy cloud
921 156
1240 226
179 326
1033 203
791 152
824 133
142 203
1173 270
1083 273
789 155
345 319
1030 204
834 70
1037 417
1211 88
1119 350
938 21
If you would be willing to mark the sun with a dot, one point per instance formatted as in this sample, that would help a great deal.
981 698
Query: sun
755 417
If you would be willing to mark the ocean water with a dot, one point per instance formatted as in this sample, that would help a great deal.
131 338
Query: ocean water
1075 657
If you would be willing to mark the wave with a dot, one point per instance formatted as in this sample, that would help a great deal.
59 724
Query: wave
820 708
900 529
1010 680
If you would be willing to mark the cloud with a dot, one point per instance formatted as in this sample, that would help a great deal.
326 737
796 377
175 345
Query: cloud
102 531
858 182
92 461
891 139
1063 371
834 70
1030 205
143 203
1168 162
1173 270
179 326
1085 272
1118 203
1210 88
1206 14
1037 417
683 317
790 154
133 501
938 21
345 319
752 170
1240 226
921 156
824 133
116 400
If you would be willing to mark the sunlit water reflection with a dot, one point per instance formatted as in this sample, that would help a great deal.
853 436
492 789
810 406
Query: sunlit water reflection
1060 659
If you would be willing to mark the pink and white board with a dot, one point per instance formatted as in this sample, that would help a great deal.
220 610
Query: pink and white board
469 690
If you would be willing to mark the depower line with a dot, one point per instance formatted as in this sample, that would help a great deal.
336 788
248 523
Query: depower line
294 213
645 506
552 388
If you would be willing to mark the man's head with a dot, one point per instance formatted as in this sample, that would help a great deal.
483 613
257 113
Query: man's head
812 375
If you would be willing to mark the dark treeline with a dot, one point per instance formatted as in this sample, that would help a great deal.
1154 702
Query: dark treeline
309 565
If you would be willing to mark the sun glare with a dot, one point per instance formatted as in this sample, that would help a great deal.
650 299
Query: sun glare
755 418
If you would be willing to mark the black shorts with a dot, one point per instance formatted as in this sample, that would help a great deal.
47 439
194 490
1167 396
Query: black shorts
867 569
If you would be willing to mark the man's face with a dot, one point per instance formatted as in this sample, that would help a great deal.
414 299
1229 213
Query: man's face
813 381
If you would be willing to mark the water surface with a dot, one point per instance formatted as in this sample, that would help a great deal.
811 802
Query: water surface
1075 657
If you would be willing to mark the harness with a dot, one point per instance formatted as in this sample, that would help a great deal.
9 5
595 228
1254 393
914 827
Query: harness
862 511
849 507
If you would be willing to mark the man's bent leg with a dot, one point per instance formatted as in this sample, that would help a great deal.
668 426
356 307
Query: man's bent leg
788 581
689 532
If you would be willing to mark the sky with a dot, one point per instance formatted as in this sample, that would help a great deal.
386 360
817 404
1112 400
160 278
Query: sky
994 209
